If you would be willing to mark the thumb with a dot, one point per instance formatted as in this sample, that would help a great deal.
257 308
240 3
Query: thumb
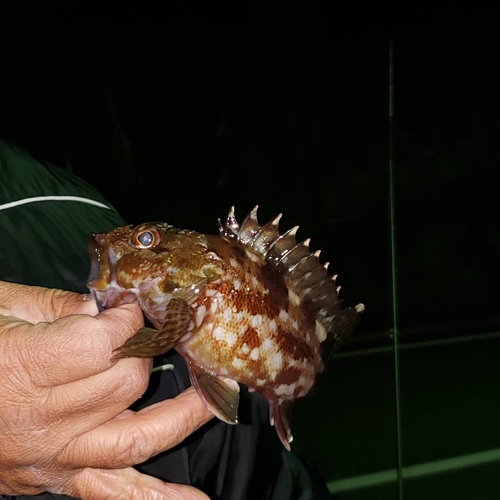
37 304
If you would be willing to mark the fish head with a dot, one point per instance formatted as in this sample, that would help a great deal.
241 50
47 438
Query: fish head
148 261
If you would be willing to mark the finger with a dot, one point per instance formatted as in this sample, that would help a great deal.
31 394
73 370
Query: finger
35 304
134 437
72 348
103 484
91 402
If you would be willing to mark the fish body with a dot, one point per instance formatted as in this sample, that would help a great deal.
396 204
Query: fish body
249 305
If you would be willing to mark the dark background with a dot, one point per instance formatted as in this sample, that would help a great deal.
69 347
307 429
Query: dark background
178 113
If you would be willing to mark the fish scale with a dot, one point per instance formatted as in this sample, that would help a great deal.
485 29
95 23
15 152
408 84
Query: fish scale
249 305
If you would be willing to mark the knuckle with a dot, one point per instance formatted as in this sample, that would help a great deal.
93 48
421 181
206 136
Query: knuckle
132 447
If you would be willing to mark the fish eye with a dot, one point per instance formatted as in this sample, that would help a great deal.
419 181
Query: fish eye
145 237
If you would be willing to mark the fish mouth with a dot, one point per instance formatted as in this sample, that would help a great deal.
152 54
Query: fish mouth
102 281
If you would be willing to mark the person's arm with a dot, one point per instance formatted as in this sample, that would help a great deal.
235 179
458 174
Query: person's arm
64 422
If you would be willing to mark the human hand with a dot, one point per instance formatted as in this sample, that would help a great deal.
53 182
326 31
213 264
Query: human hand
64 422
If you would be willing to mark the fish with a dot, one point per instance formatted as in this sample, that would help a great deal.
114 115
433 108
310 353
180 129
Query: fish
248 306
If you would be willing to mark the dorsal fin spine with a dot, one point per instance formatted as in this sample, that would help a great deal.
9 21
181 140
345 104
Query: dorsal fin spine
302 269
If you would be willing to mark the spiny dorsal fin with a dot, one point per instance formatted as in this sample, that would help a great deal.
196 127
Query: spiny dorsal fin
302 268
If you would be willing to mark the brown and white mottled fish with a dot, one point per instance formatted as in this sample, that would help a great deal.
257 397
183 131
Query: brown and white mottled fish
249 305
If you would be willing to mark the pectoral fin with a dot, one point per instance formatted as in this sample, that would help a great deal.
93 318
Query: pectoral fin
219 396
148 342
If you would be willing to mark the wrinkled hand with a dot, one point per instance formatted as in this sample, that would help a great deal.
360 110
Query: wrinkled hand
64 423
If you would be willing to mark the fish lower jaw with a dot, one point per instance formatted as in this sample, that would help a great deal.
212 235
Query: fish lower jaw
114 296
